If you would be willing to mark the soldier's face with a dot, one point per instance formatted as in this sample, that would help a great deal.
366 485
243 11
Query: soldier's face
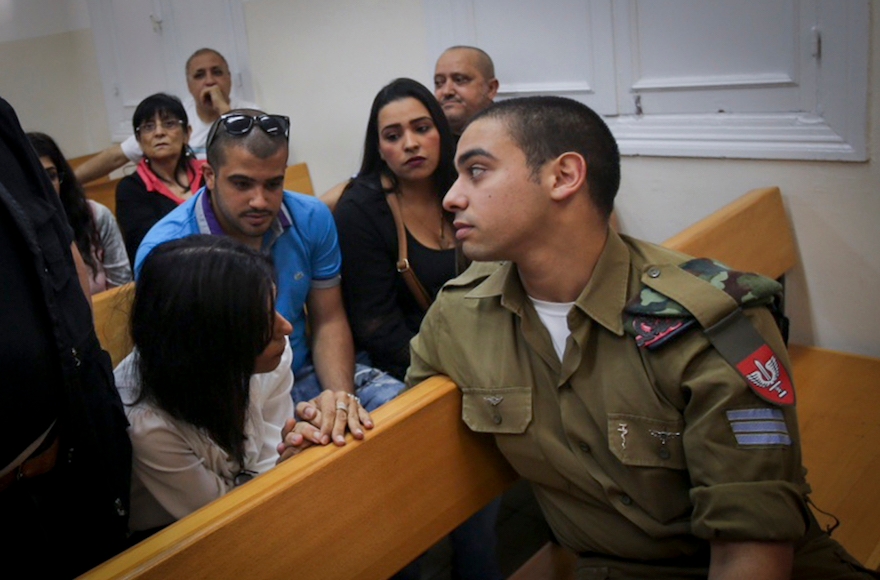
500 208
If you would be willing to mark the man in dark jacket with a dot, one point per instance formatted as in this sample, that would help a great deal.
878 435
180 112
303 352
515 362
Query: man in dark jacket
65 457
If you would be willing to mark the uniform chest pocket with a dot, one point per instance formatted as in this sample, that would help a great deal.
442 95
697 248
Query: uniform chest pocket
501 410
646 442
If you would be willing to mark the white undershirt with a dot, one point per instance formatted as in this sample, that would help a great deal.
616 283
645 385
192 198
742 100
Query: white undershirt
554 315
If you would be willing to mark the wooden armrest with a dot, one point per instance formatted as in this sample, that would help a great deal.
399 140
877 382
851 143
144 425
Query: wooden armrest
839 416
751 234
360 511
111 310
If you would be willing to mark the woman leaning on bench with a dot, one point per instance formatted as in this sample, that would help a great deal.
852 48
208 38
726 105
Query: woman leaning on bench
207 388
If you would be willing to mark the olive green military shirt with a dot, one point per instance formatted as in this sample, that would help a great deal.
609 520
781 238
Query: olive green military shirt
632 453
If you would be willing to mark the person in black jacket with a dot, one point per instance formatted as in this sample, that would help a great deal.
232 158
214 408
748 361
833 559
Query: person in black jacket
65 457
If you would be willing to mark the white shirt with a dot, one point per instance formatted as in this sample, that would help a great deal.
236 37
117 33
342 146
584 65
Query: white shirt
176 469
554 315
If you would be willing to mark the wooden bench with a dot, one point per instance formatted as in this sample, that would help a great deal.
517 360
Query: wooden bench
104 192
837 392
367 509
361 511
111 310
297 178
839 416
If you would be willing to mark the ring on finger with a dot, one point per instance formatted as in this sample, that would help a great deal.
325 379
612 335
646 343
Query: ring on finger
354 398
342 407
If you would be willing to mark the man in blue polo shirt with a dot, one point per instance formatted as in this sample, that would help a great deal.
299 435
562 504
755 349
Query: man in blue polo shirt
244 198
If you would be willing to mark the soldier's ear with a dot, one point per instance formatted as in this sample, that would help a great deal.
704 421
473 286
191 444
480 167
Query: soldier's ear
569 175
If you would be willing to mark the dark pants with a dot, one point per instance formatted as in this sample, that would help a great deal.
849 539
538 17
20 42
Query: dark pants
817 557
46 536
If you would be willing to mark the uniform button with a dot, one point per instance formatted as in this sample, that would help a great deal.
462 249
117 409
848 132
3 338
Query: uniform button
626 500
664 453
654 272
496 418
584 447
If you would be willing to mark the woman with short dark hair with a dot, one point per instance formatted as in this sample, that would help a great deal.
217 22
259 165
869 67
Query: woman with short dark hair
207 387
168 175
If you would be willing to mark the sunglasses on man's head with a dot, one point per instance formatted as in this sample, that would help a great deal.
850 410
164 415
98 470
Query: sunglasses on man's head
238 124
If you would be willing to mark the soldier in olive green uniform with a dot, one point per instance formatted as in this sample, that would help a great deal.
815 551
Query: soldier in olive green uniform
644 394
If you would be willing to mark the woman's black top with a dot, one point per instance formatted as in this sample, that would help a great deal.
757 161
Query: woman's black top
382 312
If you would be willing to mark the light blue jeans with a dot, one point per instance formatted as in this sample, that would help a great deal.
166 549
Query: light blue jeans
372 386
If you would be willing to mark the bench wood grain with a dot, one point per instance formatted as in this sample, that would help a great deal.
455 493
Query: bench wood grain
367 509
111 310
360 511
297 178
839 416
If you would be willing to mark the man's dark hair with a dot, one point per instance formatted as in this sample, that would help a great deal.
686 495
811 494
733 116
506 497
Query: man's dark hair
165 105
203 309
546 127
256 142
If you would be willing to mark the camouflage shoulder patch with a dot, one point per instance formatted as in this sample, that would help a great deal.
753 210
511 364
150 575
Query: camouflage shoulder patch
654 319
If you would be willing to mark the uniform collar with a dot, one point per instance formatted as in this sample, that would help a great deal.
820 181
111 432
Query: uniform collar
603 299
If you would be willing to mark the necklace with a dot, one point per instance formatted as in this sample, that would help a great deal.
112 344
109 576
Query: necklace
424 224
173 183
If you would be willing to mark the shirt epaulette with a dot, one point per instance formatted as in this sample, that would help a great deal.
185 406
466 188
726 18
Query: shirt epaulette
654 318
476 273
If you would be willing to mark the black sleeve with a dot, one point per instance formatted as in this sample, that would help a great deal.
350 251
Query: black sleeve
138 210
377 307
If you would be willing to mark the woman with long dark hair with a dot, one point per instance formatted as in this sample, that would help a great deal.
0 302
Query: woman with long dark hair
207 387
168 175
407 168
95 230
408 162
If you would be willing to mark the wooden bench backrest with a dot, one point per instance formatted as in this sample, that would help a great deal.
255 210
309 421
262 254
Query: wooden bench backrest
297 178
367 509
837 392
360 511
751 234
104 192
111 310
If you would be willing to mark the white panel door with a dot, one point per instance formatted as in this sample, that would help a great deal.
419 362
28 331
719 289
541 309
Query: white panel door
564 47
770 79
694 56
142 49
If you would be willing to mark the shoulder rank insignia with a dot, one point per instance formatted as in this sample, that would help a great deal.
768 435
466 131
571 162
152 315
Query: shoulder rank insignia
766 376
654 319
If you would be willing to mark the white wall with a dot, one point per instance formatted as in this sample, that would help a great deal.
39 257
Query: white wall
49 72
322 63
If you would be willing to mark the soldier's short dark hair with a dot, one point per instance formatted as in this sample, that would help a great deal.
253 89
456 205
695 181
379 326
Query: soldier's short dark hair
546 127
